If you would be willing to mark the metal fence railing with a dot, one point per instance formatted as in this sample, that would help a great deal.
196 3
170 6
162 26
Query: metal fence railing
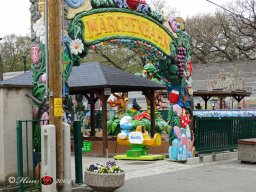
29 155
213 134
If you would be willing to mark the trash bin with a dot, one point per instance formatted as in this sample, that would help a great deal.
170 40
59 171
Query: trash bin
87 146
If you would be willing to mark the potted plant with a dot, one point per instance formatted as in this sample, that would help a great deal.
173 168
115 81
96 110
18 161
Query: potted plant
104 177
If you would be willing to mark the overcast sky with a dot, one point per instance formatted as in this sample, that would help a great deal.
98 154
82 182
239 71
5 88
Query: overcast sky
15 15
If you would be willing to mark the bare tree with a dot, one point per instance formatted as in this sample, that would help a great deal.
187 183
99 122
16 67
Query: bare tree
209 43
227 80
13 48
227 35
239 27
162 6
119 57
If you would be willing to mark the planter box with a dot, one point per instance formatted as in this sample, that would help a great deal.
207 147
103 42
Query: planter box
105 182
247 150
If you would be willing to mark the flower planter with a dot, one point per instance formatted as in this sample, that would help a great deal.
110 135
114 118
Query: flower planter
104 181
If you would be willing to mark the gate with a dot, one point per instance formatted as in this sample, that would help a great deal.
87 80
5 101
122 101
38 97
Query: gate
29 155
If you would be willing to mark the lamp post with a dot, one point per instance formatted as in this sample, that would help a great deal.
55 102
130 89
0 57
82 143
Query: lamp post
213 103
25 62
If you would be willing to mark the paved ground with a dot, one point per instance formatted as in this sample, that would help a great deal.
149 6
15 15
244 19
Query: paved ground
167 176
229 176
136 169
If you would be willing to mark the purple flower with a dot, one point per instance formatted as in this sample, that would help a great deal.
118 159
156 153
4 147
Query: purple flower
109 167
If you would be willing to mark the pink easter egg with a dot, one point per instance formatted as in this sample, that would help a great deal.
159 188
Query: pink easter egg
45 117
44 77
183 139
177 109
189 144
177 131
172 22
92 47
34 112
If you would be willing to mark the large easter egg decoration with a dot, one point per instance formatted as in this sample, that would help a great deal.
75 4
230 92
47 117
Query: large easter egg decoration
133 4
180 23
172 22
35 53
190 67
177 131
74 3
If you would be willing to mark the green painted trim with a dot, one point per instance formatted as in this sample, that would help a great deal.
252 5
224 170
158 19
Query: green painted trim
19 154
78 143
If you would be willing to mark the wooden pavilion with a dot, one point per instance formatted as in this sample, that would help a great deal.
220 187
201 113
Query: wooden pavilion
238 95
102 80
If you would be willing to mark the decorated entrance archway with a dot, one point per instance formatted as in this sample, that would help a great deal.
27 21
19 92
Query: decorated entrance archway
163 42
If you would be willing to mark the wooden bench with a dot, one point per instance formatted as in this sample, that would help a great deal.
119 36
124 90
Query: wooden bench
247 150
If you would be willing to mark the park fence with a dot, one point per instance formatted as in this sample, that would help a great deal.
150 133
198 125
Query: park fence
215 134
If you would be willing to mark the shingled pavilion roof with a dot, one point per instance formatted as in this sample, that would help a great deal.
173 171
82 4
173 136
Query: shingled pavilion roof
93 75
96 75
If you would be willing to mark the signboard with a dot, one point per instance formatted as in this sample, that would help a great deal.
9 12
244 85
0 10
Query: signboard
120 24
58 107
136 138
107 91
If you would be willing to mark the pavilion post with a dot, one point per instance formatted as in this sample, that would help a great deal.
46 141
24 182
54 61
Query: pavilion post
104 124
92 104
151 97
92 100
221 101
206 99
152 113
238 98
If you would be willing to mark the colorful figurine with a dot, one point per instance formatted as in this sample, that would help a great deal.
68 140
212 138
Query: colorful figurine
126 126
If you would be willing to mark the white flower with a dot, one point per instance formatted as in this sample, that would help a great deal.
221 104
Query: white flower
38 23
43 39
76 46
39 29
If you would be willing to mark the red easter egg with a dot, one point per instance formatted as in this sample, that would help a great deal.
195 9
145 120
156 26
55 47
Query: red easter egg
133 4
174 97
